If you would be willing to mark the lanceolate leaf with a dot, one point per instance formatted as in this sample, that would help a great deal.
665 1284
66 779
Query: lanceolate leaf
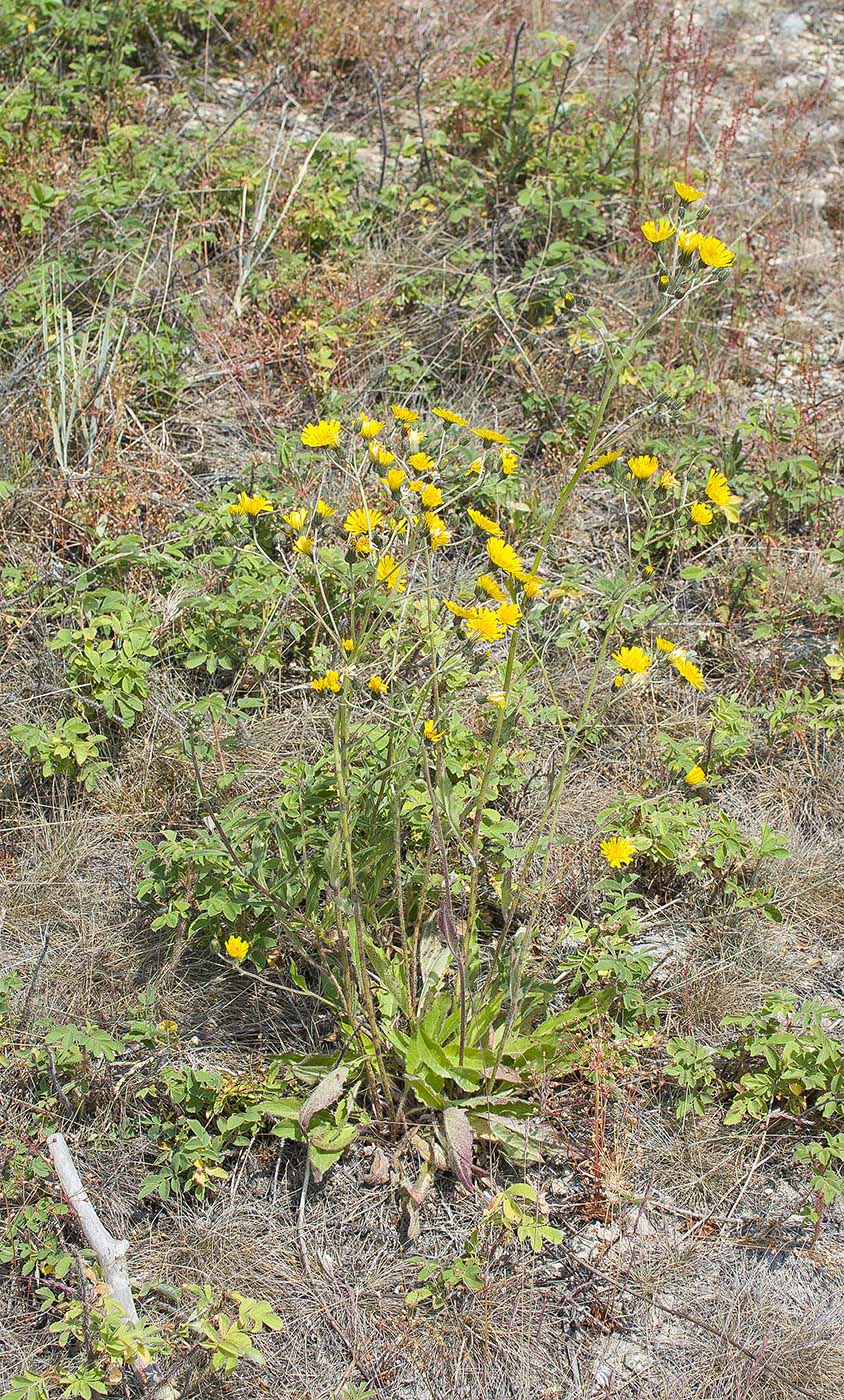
460 1139
327 1092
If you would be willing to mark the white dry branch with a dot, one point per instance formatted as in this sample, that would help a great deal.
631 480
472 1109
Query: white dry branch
111 1253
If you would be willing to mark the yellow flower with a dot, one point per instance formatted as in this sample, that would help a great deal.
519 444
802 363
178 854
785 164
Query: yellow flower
485 624
330 681
714 253
504 557
632 659
484 522
325 433
377 685
421 462
532 585
509 463
236 948
618 851
509 613
448 417
392 574
657 231
688 670
438 532
663 644
249 505
700 513
475 468
642 467
379 454
348 645
432 734
413 436
490 435
688 193
362 521
717 489
688 242
303 544
394 478
497 698
431 496
605 460
363 546
369 427
403 415
667 480
695 775
488 585
324 510
456 608
295 519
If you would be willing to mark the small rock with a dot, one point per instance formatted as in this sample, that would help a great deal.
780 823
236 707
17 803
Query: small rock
792 24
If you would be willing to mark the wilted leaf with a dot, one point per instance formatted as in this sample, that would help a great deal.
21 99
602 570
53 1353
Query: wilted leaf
460 1139
326 1093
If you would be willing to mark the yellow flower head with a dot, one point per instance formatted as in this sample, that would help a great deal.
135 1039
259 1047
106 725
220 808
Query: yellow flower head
509 463
330 681
509 613
488 585
377 685
457 609
348 645
490 435
325 433
700 513
448 417
667 480
497 698
504 557
394 478
380 455
249 505
688 242
324 510
642 467
656 231
303 544
432 734
295 519
413 436
484 522
362 546
632 659
369 427
392 574
438 532
695 776
688 670
421 462
618 851
714 253
717 489
485 624
236 947
605 460
362 521
532 585
431 496
403 415
663 644
688 193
